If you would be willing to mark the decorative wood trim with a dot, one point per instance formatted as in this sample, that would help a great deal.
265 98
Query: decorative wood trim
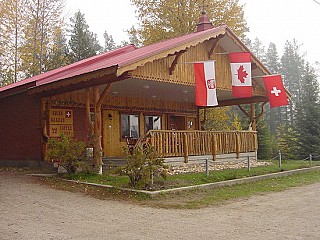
253 66
262 111
175 61
244 111
215 44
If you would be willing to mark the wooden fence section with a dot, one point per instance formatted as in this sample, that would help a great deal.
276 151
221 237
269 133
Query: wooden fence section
195 143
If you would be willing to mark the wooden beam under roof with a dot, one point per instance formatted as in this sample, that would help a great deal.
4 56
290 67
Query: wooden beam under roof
175 61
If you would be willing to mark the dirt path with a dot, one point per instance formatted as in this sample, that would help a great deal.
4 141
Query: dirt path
31 211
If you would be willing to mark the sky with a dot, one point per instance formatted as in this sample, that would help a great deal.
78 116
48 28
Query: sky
270 20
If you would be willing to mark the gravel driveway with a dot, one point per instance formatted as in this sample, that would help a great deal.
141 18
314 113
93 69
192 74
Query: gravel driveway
32 211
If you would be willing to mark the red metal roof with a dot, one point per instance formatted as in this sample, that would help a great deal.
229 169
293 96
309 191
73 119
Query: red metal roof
71 70
120 57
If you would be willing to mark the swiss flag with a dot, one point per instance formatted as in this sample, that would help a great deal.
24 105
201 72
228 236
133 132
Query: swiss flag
275 91
206 94
240 63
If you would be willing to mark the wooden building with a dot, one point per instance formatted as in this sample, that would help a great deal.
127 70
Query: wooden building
128 92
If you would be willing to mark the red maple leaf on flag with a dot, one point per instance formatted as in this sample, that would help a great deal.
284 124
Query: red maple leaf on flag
242 74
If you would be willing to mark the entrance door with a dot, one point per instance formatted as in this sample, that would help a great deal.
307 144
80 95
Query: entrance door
111 133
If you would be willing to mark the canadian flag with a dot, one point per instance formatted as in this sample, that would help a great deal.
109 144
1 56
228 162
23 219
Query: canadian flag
275 90
240 63
206 94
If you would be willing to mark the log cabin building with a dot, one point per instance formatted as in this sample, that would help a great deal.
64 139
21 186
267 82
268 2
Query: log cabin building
130 92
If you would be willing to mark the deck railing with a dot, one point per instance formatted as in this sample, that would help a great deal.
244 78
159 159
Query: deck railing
170 143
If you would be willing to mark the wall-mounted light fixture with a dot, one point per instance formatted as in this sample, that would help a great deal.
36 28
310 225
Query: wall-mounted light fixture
110 116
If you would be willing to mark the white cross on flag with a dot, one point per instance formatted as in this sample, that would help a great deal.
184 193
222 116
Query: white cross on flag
275 91
206 93
240 63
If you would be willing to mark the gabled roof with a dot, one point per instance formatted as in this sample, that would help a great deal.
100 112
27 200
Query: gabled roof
125 59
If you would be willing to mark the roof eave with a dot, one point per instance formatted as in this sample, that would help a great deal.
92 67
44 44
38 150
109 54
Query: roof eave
74 83
130 66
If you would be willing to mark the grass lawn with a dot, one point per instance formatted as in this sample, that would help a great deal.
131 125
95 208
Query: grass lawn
195 198
188 179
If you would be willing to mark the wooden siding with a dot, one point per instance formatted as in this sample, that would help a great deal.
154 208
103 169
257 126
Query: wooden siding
158 70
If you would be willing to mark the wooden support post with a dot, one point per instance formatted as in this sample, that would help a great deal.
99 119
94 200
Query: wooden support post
185 148
97 144
253 117
88 117
238 144
214 147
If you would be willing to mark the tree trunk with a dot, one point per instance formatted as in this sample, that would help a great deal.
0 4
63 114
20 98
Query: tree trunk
97 145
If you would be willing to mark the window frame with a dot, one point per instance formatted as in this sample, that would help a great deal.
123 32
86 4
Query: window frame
153 116
129 126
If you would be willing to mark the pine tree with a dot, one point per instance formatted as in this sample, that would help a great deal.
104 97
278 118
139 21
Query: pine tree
83 43
109 43
265 143
134 37
308 115
292 68
58 54
258 49
287 140
273 116
166 19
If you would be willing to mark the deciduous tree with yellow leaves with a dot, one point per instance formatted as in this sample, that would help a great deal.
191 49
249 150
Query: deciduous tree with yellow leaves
164 19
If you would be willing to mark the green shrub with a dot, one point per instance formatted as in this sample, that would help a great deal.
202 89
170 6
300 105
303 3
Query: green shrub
69 152
142 166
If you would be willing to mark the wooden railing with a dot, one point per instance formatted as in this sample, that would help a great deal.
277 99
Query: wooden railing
194 143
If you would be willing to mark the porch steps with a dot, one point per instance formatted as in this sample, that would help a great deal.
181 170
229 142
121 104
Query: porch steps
112 162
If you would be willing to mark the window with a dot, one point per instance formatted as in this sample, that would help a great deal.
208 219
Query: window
129 126
152 123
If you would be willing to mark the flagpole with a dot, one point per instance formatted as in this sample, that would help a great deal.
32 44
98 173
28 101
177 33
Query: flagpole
224 53
266 75
197 62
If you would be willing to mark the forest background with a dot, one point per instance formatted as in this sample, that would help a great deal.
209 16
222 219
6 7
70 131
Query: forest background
36 37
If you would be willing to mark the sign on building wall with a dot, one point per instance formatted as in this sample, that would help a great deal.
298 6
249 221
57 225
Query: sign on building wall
61 122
